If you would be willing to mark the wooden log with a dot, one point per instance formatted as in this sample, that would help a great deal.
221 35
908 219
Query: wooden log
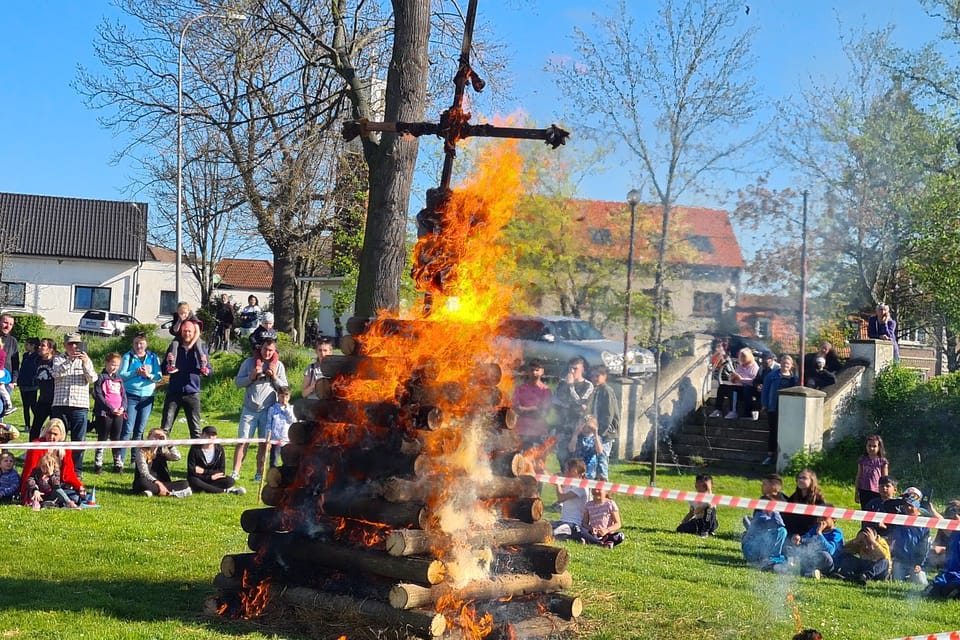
406 514
301 432
291 454
504 418
441 442
542 559
401 490
566 606
233 565
262 520
502 440
423 624
281 476
543 626
523 509
227 584
384 413
426 571
511 464
488 374
409 542
358 325
351 346
412 596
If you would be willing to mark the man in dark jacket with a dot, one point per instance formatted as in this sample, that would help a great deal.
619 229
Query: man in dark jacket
605 407
819 378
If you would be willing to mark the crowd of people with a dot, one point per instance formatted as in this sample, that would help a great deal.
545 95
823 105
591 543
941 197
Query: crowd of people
63 397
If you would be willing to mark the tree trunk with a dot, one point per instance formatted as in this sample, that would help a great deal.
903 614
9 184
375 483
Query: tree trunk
283 288
391 162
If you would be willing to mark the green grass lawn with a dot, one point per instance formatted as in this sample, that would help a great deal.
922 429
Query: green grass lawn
143 568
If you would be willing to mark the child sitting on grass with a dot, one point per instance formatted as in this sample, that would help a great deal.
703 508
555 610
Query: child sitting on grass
572 501
601 520
9 479
701 519
866 557
817 549
762 544
44 487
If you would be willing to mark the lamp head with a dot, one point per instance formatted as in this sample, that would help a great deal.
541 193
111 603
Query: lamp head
633 197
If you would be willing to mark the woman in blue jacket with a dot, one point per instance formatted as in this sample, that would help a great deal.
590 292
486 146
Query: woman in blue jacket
778 379
140 372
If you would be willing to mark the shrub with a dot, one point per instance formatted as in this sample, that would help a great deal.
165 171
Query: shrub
133 329
28 325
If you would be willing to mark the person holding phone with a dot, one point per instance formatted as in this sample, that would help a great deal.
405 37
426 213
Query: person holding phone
314 373
73 373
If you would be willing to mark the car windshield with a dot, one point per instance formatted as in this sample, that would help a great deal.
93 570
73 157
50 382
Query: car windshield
576 330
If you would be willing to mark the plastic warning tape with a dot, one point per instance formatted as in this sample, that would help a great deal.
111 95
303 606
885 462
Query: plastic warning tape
754 503
945 635
127 444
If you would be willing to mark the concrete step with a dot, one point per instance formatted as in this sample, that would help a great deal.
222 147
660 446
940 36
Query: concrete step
724 442
719 457
726 431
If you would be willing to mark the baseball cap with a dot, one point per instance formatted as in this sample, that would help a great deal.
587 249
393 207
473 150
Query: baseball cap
913 491
72 337
910 500
209 431
268 317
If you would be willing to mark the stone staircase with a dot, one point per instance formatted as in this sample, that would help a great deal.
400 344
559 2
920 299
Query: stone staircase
739 444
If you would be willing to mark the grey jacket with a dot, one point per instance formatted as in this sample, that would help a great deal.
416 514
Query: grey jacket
262 392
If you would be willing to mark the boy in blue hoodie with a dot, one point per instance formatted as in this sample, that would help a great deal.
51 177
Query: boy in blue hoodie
817 549
909 546
762 544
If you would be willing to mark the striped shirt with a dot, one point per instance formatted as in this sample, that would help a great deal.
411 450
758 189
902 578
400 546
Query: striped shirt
600 514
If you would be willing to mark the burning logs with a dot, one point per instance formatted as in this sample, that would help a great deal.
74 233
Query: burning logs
329 554
412 596
409 542
401 490
424 624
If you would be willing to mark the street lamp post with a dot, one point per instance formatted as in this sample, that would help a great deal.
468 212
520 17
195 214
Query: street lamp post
633 199
238 17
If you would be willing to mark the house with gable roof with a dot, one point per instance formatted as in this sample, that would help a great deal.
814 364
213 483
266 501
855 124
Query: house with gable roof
705 263
240 278
61 256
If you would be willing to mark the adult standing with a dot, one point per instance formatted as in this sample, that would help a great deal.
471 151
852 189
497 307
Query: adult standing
250 316
27 379
12 347
261 382
531 401
881 326
190 362
140 372
572 400
73 374
782 378
43 378
605 407
225 320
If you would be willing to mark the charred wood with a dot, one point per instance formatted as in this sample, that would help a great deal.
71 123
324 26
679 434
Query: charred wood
426 571
412 596
400 490
408 542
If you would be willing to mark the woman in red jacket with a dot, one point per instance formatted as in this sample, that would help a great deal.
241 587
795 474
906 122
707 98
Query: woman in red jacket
53 431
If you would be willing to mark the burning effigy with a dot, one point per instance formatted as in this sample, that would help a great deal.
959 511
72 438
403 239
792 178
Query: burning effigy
405 501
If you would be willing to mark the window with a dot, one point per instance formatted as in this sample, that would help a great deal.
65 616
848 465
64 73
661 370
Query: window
703 244
706 305
91 298
763 327
13 294
168 303
601 235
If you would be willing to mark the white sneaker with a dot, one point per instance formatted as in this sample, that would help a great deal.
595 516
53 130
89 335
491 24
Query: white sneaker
182 493
240 491
716 414
732 415
235 475
148 494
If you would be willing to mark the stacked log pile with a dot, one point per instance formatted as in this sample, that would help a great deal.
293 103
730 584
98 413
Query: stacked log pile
417 514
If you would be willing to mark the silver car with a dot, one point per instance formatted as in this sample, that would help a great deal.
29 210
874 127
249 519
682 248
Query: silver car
556 339
105 323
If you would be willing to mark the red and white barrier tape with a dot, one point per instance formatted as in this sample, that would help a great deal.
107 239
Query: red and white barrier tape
754 503
127 444
946 635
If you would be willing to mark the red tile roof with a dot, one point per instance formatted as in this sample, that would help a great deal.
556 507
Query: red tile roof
240 273
162 255
768 303
708 232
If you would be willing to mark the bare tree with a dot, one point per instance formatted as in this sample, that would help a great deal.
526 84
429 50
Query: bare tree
676 96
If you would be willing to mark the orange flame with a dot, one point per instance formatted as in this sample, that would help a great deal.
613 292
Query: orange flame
254 596
463 616
796 611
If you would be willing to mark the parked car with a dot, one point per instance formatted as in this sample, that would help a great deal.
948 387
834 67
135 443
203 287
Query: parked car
735 343
105 323
556 339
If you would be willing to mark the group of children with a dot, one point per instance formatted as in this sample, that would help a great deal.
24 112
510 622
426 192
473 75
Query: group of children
595 521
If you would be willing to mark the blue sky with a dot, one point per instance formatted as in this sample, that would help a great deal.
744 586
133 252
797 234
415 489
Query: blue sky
54 145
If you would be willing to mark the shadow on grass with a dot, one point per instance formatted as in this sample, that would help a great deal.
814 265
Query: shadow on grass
125 600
